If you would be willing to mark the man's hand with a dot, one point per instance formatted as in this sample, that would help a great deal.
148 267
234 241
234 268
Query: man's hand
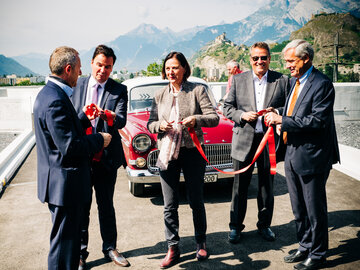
189 121
249 116
103 115
107 138
273 118
270 109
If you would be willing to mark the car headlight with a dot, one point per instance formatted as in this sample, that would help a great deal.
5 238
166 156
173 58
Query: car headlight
141 143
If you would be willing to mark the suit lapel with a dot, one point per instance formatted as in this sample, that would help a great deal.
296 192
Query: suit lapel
105 95
83 93
305 89
292 86
167 103
251 90
270 89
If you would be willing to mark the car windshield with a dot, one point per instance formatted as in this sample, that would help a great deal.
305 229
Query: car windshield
140 97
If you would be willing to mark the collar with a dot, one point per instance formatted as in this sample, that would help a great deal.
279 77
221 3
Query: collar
62 84
93 82
264 78
306 75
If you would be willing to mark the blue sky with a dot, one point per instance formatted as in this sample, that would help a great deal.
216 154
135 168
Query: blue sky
39 26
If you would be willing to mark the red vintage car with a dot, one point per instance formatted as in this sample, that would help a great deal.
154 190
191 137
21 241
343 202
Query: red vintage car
140 146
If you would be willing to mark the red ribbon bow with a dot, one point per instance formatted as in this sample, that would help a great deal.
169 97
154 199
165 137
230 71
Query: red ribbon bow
92 111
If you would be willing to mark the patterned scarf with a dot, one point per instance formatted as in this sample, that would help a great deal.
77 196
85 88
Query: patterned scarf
172 140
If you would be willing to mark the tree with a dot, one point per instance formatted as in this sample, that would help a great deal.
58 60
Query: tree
131 76
223 78
196 72
153 69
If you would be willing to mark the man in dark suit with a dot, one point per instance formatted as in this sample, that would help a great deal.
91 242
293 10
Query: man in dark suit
307 123
111 96
63 158
251 92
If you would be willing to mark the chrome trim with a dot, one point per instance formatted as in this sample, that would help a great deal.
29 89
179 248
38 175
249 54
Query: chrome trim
145 177
219 155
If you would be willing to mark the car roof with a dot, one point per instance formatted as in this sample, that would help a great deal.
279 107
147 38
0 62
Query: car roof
139 81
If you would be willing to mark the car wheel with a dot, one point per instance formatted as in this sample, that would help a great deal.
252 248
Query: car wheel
136 189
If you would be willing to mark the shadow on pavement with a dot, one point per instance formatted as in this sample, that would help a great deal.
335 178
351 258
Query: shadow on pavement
224 255
217 192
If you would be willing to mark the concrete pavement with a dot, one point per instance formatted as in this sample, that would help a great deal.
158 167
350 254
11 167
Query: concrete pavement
25 227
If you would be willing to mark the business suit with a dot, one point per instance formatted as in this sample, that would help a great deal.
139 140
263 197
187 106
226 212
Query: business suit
63 154
245 141
104 172
193 101
311 150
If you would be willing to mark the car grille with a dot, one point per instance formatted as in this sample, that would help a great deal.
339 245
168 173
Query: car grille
217 154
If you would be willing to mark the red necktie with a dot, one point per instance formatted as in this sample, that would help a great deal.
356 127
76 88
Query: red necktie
292 105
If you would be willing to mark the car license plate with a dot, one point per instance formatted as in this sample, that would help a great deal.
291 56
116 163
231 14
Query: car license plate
210 178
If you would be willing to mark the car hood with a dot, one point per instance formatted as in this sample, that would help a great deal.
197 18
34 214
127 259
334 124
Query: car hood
222 133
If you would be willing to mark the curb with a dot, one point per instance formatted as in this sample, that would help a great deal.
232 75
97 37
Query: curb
13 156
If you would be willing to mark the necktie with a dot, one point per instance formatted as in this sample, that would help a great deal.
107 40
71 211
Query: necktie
94 99
95 92
292 105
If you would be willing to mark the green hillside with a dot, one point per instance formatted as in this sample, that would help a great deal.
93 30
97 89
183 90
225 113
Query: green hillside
9 66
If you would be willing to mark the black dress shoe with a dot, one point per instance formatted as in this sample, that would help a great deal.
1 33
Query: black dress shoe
309 264
234 236
296 256
267 234
117 258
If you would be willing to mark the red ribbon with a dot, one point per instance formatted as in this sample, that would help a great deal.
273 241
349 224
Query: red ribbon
92 111
268 138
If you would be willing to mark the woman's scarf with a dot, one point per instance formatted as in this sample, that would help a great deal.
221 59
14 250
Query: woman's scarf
171 142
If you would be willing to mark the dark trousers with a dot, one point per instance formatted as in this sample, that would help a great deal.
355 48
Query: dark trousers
265 196
103 181
309 205
193 167
65 237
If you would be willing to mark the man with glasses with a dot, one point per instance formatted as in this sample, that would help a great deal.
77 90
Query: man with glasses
251 92
308 130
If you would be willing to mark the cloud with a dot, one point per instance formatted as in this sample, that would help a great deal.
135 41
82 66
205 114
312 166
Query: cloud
143 12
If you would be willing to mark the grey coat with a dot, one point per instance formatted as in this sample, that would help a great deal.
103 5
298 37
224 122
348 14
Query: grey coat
193 100
241 99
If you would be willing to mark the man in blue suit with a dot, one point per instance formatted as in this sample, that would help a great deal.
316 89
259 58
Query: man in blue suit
308 128
63 158
111 96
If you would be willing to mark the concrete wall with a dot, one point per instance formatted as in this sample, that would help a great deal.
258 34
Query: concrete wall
347 101
16 105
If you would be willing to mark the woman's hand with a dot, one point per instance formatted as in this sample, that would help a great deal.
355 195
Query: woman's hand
189 121
166 126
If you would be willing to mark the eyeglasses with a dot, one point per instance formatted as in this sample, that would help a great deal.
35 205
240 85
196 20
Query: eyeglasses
256 58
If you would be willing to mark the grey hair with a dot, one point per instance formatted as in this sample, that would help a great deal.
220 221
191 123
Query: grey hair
233 63
61 57
302 48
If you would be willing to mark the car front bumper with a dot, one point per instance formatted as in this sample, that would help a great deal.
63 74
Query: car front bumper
145 177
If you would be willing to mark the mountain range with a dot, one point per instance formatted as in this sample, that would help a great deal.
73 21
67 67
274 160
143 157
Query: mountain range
146 44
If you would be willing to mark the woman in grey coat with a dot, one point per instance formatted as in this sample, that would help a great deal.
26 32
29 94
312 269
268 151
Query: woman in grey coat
175 108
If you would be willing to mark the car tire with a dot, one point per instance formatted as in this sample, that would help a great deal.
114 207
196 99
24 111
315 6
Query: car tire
136 189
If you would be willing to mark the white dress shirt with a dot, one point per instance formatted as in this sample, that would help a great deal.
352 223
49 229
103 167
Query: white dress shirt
90 89
260 88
